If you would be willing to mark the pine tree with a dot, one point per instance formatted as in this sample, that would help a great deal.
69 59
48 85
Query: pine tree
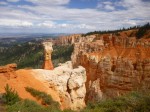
10 96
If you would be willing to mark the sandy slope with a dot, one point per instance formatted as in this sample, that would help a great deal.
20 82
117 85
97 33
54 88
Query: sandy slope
25 79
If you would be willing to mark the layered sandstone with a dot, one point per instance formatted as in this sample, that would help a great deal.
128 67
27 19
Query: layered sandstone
114 65
48 49
72 39
68 84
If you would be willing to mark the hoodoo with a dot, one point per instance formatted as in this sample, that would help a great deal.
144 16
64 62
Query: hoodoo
48 49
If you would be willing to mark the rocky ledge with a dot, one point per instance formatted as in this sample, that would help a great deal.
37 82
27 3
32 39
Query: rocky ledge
9 70
68 84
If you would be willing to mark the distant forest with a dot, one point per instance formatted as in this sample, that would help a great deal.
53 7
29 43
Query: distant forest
30 55
141 30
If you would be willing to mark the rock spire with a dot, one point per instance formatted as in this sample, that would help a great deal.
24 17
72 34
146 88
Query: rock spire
48 49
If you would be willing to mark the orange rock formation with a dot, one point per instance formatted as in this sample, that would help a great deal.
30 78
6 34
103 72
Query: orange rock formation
114 65
47 56
9 70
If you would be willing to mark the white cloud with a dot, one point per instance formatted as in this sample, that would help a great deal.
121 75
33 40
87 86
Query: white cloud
45 14
107 3
76 26
106 6
53 25
84 26
15 23
131 3
3 3
49 2
25 23
48 24
109 7
13 0
64 25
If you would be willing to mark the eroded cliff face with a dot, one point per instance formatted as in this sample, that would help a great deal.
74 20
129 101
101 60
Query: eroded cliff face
114 65
71 39
68 84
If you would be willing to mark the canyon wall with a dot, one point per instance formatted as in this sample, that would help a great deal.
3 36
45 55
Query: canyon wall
71 39
114 65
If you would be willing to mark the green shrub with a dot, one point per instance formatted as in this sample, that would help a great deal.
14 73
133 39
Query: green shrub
26 106
10 96
68 110
132 102
45 98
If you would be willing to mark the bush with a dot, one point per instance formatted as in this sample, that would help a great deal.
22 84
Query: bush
26 106
45 98
10 96
68 110
133 102
16 105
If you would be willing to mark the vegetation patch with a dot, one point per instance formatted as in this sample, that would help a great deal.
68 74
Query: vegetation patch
143 30
25 106
10 96
132 102
14 103
61 54
45 98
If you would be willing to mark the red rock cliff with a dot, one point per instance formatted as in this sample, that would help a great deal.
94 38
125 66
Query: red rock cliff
114 65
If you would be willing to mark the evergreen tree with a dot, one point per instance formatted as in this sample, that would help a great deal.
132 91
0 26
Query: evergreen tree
142 30
10 96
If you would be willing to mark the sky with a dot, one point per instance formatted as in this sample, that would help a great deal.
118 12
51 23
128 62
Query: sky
71 16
